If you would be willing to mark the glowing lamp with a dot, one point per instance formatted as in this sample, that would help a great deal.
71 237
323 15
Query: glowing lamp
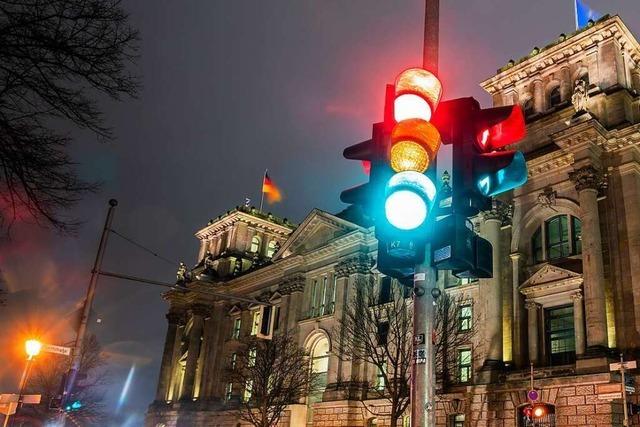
409 196
411 106
538 411
511 176
501 126
32 348
420 83
414 143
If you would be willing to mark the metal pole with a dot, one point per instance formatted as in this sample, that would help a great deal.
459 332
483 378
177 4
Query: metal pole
88 302
624 392
423 374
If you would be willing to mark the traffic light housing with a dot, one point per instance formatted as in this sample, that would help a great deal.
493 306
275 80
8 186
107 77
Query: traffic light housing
399 196
482 169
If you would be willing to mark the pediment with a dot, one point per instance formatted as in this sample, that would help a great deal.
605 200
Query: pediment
550 274
235 310
318 229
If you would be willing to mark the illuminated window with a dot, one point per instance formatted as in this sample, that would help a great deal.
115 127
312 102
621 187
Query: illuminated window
322 297
248 388
271 248
255 324
406 421
457 420
560 237
255 244
560 335
228 392
380 381
237 324
252 357
320 360
554 97
465 317
234 360
464 365
557 237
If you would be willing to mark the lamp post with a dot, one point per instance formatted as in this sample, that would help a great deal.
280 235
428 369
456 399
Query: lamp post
32 347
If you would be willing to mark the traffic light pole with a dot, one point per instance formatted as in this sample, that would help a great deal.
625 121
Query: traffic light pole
423 374
423 370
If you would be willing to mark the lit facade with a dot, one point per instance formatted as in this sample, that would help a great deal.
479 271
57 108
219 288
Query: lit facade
566 289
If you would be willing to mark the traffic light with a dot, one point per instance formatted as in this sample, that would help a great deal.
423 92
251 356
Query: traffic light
482 169
399 196
74 406
538 411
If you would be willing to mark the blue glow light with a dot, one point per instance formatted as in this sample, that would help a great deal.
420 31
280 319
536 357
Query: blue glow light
512 176
125 388
405 209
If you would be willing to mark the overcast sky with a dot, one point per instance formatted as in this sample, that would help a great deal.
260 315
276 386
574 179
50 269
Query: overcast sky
230 88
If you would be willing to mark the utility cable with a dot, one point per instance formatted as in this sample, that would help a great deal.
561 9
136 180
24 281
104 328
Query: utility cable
144 248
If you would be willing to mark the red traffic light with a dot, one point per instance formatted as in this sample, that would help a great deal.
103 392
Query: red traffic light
499 126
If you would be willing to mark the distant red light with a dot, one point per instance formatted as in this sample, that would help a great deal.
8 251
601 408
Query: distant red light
366 166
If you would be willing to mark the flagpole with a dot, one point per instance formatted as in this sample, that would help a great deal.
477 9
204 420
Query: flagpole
575 9
262 189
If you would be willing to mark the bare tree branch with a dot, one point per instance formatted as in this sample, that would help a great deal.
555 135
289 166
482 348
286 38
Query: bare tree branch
56 56
276 374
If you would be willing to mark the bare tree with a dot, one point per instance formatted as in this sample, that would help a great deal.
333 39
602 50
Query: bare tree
377 329
272 374
46 378
56 57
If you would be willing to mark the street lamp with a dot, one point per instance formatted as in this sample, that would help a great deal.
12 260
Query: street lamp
32 348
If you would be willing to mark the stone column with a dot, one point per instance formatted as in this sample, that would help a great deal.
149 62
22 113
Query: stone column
336 375
168 360
359 273
198 313
493 290
578 323
532 309
538 95
214 359
293 288
587 181
518 311
566 85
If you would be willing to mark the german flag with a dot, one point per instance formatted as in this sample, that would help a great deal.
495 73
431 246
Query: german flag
271 190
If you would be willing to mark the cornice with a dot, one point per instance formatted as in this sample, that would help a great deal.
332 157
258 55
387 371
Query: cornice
611 28
549 163
223 224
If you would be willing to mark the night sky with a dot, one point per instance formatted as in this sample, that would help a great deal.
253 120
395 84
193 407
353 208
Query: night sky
231 88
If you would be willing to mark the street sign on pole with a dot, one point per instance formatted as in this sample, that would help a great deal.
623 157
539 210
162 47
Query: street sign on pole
631 364
610 396
57 349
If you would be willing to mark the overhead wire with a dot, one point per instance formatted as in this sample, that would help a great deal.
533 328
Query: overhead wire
144 248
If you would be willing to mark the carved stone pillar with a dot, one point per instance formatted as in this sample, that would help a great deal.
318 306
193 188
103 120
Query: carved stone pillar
174 319
578 323
566 85
538 95
588 180
198 313
336 366
292 289
213 352
519 323
493 292
532 310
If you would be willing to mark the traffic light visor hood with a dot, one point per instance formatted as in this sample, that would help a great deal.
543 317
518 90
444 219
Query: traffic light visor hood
500 126
418 93
408 199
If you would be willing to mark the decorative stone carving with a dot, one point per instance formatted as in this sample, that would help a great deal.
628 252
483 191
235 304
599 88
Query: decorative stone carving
580 97
500 211
182 275
176 317
576 296
588 177
292 284
360 263
530 305
200 310
547 199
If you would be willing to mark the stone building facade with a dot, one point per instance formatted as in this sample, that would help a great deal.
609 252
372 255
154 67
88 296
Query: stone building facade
565 295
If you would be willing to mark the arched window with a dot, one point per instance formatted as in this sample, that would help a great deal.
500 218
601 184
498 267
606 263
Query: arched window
319 353
560 237
271 248
554 97
528 107
255 244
